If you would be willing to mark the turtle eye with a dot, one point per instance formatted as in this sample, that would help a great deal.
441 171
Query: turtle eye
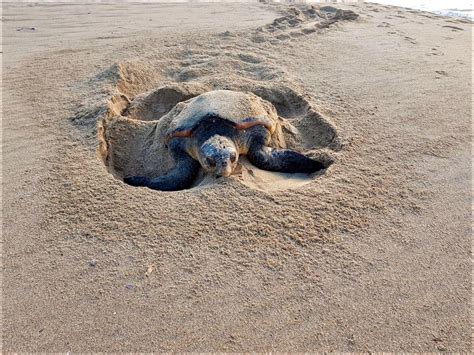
233 157
210 161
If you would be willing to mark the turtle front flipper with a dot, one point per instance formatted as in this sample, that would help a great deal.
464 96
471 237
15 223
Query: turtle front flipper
179 178
284 161
279 160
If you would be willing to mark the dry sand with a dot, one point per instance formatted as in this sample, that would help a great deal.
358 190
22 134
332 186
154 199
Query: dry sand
374 255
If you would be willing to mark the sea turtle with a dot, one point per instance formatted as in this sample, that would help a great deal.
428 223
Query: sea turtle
213 129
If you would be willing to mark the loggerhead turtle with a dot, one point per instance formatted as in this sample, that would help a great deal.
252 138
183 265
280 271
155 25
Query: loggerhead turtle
211 131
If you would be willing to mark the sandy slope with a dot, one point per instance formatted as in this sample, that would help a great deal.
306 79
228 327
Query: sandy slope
374 255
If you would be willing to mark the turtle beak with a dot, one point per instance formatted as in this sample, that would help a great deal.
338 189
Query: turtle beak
223 169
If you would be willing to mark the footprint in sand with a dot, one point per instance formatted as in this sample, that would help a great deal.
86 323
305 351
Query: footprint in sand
441 74
26 29
410 39
435 51
454 28
248 58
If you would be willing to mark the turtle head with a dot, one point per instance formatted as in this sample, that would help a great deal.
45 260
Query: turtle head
219 155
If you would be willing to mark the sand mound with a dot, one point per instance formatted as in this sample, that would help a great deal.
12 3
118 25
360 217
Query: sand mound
132 135
298 22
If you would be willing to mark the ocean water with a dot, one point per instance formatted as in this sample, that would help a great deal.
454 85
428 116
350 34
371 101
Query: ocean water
454 8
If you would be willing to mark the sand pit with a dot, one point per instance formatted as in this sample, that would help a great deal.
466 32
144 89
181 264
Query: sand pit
132 133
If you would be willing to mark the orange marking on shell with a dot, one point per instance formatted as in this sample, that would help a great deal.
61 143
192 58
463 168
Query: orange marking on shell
250 124
182 134
178 134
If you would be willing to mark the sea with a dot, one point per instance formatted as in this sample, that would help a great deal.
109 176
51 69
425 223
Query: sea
453 8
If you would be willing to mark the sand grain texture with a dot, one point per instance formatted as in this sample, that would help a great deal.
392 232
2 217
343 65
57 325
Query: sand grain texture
374 255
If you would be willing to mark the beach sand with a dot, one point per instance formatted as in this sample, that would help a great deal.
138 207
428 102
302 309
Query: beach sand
372 255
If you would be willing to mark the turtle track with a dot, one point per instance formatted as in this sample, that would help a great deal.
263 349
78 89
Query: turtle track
298 22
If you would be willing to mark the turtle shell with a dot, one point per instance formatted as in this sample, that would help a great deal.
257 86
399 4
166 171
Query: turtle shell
242 109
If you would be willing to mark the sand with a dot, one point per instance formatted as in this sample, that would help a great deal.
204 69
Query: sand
372 255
